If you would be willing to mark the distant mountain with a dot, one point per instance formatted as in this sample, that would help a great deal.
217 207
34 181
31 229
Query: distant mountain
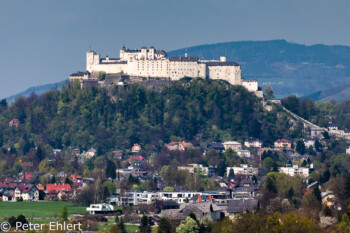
37 90
339 94
289 68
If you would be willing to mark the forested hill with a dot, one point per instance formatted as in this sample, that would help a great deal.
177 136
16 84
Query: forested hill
194 110
289 68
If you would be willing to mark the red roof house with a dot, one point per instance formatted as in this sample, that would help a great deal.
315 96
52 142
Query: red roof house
55 188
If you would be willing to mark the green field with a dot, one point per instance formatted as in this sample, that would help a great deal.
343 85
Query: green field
38 209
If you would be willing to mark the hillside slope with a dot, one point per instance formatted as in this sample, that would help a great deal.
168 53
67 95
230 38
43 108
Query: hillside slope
37 90
338 93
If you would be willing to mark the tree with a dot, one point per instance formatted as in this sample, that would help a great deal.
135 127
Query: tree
145 226
164 226
347 188
318 146
269 92
300 148
168 188
111 169
270 185
64 214
268 163
121 225
231 174
189 225
291 193
39 154
68 181
12 220
106 194
22 219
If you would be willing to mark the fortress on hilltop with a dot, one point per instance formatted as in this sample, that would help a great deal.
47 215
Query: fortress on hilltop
152 63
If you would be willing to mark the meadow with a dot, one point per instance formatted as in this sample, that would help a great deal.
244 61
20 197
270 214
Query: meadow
38 209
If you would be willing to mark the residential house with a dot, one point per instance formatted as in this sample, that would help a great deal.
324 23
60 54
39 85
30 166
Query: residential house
332 126
118 154
181 146
14 123
328 198
237 207
197 168
348 150
309 142
202 209
76 151
136 158
243 169
293 170
28 192
216 146
232 145
136 148
283 144
244 153
100 208
253 142
59 190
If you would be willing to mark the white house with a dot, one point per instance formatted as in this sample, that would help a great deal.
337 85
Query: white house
253 142
232 145
309 142
243 169
28 192
100 208
243 153
293 170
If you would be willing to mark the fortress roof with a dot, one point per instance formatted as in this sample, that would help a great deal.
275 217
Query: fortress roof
184 59
80 73
249 80
220 63
160 52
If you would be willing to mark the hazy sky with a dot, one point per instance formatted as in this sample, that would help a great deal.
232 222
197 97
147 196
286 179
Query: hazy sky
43 41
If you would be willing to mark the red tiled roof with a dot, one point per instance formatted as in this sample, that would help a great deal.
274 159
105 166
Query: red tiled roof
76 177
24 188
55 188
26 176
138 158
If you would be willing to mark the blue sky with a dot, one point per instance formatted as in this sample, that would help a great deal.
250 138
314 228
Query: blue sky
43 41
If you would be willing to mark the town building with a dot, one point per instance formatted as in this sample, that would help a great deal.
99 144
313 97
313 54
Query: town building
28 192
253 142
216 146
181 145
232 145
309 142
147 197
243 169
14 123
198 168
294 170
244 153
136 148
283 144
100 209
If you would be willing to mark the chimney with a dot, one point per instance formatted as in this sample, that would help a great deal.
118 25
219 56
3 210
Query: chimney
223 59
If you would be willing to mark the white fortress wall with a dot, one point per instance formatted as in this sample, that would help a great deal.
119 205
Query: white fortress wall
154 63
